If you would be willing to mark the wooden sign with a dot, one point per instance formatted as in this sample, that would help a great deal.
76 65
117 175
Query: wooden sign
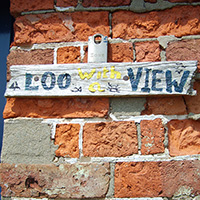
102 79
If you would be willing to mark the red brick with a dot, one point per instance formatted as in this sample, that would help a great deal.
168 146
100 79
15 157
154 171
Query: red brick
180 176
59 27
165 106
39 56
110 139
180 21
120 52
18 6
51 181
192 102
85 59
147 51
137 179
154 179
184 137
66 3
105 3
153 135
184 50
56 107
67 137
68 55
19 57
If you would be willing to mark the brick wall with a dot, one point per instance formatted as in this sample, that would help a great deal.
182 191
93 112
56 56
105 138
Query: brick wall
112 148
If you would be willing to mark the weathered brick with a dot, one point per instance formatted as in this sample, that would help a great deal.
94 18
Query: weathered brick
85 59
68 55
180 175
165 106
56 107
39 56
105 3
180 21
27 141
20 57
153 135
109 139
60 27
120 52
184 50
184 137
64 181
147 51
192 102
18 6
67 137
66 3
137 179
154 179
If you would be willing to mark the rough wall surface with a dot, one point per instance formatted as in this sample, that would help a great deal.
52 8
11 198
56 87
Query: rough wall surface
108 148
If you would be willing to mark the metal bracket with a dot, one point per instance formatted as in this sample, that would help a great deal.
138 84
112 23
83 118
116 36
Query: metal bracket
97 48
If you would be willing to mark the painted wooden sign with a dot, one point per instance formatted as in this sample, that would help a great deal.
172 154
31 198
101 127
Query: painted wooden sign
102 79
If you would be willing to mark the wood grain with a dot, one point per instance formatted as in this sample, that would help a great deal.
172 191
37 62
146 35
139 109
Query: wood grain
102 79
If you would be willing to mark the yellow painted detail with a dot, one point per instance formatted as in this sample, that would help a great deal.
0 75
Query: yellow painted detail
113 73
91 87
105 70
98 75
86 75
